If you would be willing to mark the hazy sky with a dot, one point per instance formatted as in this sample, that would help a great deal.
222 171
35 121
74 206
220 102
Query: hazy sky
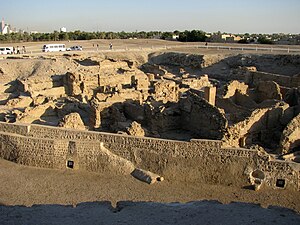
236 16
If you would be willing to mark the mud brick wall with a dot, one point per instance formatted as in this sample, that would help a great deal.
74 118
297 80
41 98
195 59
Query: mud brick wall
115 142
275 170
254 77
32 151
201 161
21 129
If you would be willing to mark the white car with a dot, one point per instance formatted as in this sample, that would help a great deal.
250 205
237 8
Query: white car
75 48
6 50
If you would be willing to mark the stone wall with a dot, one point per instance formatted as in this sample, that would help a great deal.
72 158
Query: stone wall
30 151
254 77
202 161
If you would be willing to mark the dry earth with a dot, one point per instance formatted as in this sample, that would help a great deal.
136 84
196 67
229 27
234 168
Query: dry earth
21 185
150 44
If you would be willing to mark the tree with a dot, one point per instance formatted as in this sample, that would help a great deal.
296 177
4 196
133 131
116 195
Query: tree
192 36
167 35
63 36
243 41
264 40
55 36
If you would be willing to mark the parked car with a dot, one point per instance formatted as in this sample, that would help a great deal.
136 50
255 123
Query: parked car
75 48
6 50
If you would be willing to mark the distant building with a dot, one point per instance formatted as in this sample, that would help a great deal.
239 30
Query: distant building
63 29
224 38
2 26
175 36
5 28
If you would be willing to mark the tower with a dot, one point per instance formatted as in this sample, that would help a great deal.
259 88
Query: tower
2 25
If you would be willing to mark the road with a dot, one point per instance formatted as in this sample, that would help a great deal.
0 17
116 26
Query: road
102 45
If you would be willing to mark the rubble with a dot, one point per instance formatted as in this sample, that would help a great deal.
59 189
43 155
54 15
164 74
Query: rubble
232 87
240 99
146 176
135 129
72 121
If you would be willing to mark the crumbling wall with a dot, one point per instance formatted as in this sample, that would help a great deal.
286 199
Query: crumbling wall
255 77
20 102
202 118
135 129
178 59
166 91
292 97
238 131
77 84
35 84
267 90
72 121
117 153
262 126
196 83
290 138
234 86
238 93
32 151
183 60
32 114
161 117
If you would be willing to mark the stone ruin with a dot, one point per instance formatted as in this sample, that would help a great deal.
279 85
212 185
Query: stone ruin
237 99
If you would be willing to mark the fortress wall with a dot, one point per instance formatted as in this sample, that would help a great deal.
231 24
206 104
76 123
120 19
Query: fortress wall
201 161
128 144
21 129
29 151
254 77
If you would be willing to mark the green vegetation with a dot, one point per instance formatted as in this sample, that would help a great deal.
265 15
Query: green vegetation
76 35
194 35
264 40
183 36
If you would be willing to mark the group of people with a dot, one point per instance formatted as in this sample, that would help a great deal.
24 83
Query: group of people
97 46
18 51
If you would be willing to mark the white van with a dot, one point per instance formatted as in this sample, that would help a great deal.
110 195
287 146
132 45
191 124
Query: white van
6 50
54 48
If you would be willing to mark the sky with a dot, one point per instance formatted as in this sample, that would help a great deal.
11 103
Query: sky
232 16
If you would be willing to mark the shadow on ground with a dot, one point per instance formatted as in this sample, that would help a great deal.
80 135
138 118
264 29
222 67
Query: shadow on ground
127 212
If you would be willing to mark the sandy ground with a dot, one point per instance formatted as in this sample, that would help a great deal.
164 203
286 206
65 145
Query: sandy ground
21 185
154 45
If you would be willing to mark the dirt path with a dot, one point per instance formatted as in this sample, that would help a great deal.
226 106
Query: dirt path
21 185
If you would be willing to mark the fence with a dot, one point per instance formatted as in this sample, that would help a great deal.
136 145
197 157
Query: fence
210 46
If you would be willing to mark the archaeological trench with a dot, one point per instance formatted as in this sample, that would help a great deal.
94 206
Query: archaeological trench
215 119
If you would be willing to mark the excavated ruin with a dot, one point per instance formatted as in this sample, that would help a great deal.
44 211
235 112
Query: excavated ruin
247 100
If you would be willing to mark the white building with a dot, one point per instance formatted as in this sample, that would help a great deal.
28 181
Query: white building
175 36
5 28
63 29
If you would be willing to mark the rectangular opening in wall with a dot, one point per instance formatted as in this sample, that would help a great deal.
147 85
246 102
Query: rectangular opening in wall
280 183
70 164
